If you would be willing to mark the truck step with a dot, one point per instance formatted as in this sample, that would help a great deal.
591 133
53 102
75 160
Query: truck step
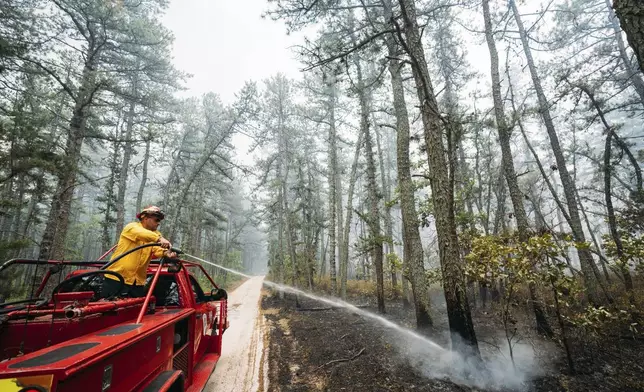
166 381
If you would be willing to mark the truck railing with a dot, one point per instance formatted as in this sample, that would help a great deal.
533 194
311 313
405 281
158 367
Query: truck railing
150 291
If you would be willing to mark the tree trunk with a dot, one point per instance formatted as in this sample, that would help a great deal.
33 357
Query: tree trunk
52 245
173 180
323 252
389 231
598 249
108 220
339 231
631 18
344 256
586 261
144 175
125 165
479 178
458 310
375 237
32 209
508 165
612 220
413 261
633 74
279 253
499 215
289 232
333 192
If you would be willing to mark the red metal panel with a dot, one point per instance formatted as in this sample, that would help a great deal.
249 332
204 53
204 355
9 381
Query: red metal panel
37 333
202 372
130 366
110 345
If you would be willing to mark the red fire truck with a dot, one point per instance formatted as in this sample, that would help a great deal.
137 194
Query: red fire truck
63 335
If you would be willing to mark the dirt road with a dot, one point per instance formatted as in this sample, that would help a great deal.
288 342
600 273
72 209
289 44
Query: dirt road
241 367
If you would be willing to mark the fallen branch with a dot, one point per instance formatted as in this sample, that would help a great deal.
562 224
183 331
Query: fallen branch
341 360
316 309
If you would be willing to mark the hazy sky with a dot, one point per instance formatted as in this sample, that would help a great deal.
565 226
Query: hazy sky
224 43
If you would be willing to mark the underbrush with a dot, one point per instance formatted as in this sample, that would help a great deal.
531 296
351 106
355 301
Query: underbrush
358 288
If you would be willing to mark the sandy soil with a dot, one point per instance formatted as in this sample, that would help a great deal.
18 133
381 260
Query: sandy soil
242 364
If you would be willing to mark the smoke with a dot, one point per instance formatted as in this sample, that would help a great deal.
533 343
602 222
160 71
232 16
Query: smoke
494 371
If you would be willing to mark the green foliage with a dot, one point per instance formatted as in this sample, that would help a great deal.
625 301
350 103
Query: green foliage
519 264
434 276
80 234
393 202
597 320
632 250
425 211
365 244
395 263
11 247
234 260
630 228
540 259
504 256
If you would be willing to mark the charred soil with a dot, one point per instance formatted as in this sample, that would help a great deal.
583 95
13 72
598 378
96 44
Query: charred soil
314 348
335 350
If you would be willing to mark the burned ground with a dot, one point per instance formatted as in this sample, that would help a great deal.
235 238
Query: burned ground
304 344
336 350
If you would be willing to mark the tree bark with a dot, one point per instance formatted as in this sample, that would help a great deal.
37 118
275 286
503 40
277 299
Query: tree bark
633 74
343 267
588 266
389 231
375 237
485 221
499 214
144 174
458 311
631 18
323 252
333 193
289 229
125 165
108 220
413 262
344 256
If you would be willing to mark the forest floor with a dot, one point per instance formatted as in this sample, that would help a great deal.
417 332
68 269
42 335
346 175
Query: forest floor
337 350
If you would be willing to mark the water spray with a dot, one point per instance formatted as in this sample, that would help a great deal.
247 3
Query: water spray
330 301
451 365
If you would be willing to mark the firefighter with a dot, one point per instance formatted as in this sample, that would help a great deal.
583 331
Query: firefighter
134 266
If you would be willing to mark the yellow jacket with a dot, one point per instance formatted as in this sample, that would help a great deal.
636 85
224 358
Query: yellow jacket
134 266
